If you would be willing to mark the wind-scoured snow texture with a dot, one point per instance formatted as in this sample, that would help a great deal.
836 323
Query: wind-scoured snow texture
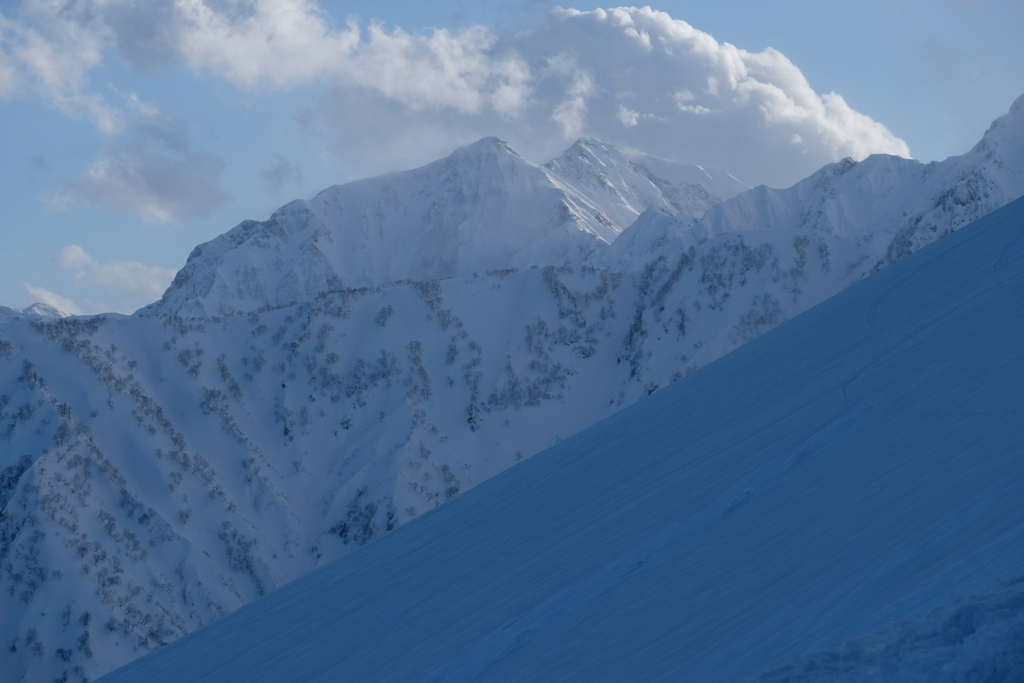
888 206
482 208
853 468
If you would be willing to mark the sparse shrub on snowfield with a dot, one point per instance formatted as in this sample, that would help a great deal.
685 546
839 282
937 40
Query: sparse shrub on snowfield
383 314
358 526
765 313
472 377
419 380
227 378
724 265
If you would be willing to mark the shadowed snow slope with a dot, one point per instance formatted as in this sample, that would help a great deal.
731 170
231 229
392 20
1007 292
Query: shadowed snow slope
853 467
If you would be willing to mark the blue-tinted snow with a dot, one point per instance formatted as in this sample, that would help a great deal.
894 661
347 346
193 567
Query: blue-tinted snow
859 465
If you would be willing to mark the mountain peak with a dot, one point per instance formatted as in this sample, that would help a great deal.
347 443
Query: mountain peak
481 208
45 311
590 150
1017 108
1005 137
486 147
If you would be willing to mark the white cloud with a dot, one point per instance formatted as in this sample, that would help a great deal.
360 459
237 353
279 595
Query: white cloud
571 112
636 78
282 43
261 42
461 70
700 100
689 96
158 188
75 258
628 116
282 173
49 51
45 296
129 283
149 170
130 279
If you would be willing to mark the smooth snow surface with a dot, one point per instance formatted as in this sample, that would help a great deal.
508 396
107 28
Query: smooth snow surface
856 466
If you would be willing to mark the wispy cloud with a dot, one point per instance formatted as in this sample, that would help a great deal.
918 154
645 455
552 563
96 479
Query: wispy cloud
119 277
282 173
48 51
44 296
150 170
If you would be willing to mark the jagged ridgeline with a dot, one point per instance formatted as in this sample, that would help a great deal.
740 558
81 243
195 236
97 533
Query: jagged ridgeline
309 382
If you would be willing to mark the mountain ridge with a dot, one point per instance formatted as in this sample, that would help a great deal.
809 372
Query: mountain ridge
159 471
893 205
481 208
850 470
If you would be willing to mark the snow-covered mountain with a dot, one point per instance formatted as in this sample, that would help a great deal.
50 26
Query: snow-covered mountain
885 205
482 208
839 500
40 310
159 470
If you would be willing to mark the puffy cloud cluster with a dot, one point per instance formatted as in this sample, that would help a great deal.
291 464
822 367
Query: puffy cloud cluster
661 85
635 77
275 44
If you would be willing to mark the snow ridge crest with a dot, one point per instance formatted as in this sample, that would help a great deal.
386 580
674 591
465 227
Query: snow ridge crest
481 208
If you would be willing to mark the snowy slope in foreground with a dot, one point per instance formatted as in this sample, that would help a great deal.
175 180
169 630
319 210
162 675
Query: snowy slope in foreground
853 467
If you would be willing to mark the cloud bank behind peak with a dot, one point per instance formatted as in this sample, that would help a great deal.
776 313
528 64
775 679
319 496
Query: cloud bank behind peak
635 77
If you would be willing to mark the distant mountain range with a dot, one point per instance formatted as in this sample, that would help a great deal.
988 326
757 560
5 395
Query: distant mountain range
311 382
482 208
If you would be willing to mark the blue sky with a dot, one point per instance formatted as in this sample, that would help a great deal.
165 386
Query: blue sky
132 131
